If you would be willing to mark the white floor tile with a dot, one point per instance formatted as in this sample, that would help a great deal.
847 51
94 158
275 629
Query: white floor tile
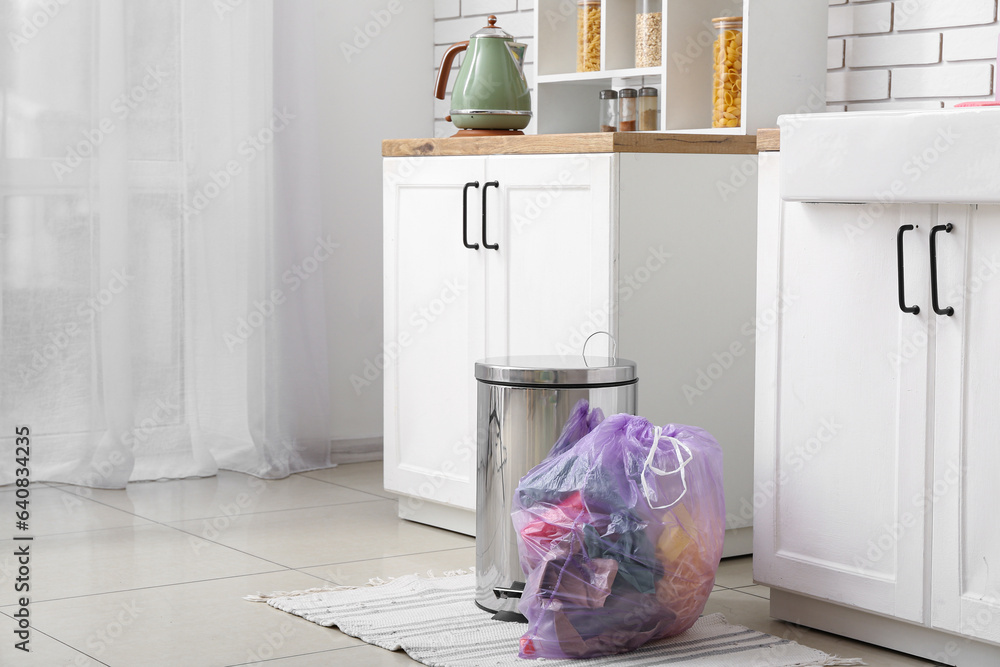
44 650
365 477
754 612
119 559
735 572
356 656
52 511
759 591
324 535
358 573
227 494
198 624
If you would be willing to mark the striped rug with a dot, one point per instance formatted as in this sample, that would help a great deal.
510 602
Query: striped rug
436 622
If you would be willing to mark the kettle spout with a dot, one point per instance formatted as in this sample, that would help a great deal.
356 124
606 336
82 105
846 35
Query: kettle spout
516 51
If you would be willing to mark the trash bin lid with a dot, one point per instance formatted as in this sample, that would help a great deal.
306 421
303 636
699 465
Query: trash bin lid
530 371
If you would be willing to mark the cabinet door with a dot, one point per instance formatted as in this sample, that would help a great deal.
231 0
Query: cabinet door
841 407
549 283
965 492
434 314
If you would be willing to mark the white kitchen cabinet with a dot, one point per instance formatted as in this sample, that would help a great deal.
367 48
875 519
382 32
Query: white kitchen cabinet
448 305
965 591
876 462
841 415
434 323
656 248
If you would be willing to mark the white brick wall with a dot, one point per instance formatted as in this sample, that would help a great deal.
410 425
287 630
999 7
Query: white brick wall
911 54
882 54
860 19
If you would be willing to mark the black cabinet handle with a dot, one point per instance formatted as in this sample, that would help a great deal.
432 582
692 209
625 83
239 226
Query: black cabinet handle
495 184
465 215
899 265
949 311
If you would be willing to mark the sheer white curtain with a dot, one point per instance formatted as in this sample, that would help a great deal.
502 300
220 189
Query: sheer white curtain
161 249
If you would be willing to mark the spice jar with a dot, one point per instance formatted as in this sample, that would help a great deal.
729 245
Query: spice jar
727 95
648 102
588 35
648 32
609 111
627 110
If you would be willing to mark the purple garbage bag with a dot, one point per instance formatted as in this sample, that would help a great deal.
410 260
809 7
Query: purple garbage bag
582 420
620 535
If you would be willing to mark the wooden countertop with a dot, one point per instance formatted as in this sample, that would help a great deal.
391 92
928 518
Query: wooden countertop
597 142
768 139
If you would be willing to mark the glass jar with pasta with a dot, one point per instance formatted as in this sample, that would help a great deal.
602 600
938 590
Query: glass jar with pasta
727 90
588 35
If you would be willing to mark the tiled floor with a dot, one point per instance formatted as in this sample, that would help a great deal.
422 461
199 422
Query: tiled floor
155 574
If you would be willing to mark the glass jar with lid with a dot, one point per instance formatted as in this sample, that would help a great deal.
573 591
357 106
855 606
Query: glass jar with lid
648 32
588 35
627 109
609 111
727 88
648 102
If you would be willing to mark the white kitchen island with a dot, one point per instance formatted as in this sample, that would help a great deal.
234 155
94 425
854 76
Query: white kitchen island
501 246
877 435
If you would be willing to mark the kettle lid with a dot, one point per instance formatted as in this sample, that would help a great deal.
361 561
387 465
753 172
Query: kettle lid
491 30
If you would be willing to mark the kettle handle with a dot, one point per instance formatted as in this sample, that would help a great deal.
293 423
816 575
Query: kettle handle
449 57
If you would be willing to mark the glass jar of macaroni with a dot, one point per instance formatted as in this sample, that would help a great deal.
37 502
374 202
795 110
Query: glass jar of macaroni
588 35
648 32
727 90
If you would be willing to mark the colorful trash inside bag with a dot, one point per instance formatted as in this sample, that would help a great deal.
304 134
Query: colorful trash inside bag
620 535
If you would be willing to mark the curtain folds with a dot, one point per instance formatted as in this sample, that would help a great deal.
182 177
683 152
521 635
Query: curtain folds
162 306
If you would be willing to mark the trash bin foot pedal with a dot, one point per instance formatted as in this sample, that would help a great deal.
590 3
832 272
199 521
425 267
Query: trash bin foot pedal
509 617
505 616
515 590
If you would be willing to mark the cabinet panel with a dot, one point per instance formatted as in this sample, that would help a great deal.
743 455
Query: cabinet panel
965 492
434 315
549 284
686 271
848 440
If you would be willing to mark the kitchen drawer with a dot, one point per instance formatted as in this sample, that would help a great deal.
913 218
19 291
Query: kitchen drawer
891 157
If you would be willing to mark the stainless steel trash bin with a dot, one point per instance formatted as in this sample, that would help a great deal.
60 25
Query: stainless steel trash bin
523 404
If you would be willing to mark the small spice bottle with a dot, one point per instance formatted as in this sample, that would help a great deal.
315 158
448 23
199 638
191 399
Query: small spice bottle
609 111
627 109
727 89
648 102
588 35
648 32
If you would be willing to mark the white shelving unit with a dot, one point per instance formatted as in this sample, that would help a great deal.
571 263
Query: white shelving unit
784 63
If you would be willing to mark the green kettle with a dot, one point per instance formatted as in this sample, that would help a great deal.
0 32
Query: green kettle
491 94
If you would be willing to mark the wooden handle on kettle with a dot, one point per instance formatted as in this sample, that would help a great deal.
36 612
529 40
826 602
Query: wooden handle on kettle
449 57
